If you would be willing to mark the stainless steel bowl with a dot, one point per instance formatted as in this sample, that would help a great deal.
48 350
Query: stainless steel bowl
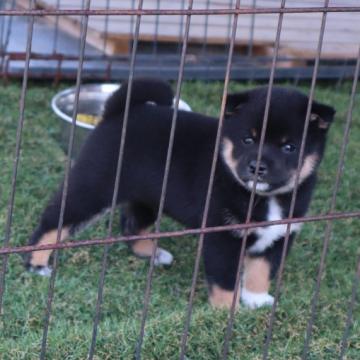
92 100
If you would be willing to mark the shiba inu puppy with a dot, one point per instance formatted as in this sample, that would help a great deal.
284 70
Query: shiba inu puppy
92 179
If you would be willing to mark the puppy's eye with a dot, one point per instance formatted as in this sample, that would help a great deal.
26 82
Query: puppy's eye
288 148
248 140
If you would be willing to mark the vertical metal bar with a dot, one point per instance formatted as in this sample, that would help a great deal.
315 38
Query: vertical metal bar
294 194
328 229
252 28
344 345
116 184
156 35
253 190
342 75
181 27
10 208
206 25
82 8
84 24
164 183
229 27
210 186
2 26
132 17
5 42
106 28
56 30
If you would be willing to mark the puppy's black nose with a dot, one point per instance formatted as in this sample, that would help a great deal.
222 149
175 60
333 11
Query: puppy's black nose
262 168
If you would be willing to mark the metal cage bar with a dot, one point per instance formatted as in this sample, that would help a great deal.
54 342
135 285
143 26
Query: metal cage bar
328 229
253 190
116 183
234 11
164 183
297 177
65 185
349 319
184 336
10 208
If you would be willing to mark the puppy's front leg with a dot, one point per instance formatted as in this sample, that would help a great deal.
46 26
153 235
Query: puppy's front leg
256 283
221 256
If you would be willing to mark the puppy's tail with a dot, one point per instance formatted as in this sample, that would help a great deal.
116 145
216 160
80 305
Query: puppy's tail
143 90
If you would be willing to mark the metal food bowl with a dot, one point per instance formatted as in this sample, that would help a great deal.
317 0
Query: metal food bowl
92 99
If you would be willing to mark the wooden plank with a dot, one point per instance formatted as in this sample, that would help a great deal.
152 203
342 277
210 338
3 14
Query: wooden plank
300 32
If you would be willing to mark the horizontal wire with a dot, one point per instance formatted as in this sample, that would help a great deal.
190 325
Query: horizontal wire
144 12
179 233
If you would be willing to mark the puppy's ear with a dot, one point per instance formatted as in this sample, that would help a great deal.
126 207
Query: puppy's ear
234 101
322 115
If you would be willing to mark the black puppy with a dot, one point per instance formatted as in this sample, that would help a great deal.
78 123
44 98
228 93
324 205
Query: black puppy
92 178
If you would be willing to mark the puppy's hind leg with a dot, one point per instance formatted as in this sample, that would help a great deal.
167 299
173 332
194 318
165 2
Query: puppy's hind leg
81 206
135 220
38 261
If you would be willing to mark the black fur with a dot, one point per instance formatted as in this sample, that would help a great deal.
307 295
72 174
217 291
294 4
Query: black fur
92 178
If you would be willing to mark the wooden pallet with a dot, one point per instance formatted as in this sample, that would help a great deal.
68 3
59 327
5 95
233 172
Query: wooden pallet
299 36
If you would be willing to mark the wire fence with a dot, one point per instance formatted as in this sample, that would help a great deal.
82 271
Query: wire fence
111 36
229 66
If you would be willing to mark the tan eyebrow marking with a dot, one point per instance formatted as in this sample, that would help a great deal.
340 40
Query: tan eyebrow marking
253 132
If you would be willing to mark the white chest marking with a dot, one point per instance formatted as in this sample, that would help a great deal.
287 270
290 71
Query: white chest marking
266 236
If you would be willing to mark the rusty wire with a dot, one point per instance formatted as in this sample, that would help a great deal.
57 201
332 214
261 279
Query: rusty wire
10 208
349 319
116 184
50 297
184 336
240 11
253 190
294 193
328 229
179 233
329 217
164 184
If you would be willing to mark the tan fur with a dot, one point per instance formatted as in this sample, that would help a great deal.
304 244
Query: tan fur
257 274
306 170
222 299
254 132
321 122
308 166
143 248
228 148
230 161
41 257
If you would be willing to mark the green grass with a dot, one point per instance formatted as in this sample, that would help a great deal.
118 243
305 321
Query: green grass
41 167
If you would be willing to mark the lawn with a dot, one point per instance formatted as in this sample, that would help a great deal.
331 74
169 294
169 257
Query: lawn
41 167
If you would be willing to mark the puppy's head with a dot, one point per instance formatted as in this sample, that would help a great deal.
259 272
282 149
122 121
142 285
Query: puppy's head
244 116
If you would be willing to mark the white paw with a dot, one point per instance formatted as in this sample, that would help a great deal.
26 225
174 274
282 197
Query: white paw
41 270
182 105
255 300
163 257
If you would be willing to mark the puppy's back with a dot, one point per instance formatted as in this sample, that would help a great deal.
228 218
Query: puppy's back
142 90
